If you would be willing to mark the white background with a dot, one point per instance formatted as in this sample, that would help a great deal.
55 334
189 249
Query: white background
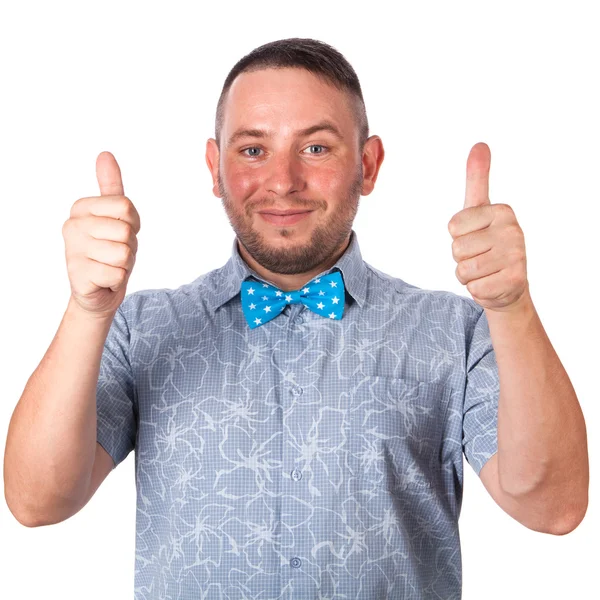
142 81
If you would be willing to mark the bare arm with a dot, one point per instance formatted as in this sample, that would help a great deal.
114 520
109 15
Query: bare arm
51 442
49 463
542 460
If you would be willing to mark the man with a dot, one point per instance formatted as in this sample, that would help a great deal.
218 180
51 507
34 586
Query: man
298 416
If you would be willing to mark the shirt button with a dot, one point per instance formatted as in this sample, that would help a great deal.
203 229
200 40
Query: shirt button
300 320
295 562
296 475
297 390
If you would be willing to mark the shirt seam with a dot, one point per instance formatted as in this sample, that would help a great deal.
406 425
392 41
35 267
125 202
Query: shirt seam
133 379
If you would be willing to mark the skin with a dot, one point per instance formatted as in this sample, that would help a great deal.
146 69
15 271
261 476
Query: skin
285 170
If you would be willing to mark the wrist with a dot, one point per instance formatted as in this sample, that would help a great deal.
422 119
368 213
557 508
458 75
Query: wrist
76 311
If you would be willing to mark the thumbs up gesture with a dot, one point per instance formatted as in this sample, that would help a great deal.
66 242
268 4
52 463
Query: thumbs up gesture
101 242
488 245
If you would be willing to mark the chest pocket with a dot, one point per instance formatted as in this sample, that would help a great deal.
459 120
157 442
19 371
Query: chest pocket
396 428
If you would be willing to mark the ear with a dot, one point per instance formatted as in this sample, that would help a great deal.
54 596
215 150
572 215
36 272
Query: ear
372 157
212 160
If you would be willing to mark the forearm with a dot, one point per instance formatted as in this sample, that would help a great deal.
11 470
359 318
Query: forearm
542 440
51 439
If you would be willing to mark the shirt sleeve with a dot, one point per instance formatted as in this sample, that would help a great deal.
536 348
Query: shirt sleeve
480 407
116 410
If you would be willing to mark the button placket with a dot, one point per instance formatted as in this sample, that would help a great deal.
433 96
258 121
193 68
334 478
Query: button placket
294 348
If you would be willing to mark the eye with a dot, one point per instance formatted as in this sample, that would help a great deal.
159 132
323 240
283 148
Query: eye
251 148
316 146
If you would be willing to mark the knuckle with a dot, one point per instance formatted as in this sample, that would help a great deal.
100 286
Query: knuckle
127 206
503 209
459 275
515 230
124 253
70 226
75 206
456 247
129 211
126 231
517 278
515 254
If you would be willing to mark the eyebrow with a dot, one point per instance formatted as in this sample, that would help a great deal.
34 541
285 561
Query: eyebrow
261 133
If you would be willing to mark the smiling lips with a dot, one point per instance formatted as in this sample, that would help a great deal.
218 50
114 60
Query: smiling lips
284 217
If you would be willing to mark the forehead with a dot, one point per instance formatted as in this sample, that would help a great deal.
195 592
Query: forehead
286 96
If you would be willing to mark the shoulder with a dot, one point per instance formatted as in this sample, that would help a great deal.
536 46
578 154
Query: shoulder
398 293
149 305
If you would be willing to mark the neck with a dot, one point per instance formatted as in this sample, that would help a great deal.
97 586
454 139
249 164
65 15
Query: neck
288 283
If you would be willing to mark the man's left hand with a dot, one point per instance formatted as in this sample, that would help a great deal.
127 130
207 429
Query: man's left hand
488 245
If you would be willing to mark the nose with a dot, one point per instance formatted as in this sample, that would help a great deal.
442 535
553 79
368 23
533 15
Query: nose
285 174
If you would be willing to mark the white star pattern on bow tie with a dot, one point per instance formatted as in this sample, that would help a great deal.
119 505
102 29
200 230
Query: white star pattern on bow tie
275 300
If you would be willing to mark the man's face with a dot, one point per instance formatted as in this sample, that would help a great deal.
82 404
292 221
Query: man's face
285 169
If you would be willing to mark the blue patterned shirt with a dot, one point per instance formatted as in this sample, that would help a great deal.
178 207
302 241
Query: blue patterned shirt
308 457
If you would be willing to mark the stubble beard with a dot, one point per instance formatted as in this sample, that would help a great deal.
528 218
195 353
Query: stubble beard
324 241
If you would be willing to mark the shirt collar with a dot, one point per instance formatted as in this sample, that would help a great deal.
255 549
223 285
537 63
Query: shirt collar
229 277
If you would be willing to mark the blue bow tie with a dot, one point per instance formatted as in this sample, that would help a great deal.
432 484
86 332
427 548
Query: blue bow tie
262 302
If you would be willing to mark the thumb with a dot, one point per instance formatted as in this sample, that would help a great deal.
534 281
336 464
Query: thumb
478 173
109 175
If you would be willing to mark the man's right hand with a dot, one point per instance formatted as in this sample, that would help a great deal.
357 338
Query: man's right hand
101 242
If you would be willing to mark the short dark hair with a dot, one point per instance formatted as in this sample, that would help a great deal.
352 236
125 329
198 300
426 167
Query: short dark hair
314 56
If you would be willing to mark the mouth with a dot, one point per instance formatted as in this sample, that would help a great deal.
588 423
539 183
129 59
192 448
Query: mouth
284 217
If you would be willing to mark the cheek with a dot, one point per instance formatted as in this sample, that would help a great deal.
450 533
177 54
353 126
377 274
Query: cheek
241 182
328 181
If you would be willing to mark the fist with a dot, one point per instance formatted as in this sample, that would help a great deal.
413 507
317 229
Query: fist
101 242
488 243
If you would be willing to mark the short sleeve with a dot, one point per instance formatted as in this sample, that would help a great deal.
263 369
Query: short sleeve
115 404
482 391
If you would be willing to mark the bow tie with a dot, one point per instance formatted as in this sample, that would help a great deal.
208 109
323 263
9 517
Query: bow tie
262 302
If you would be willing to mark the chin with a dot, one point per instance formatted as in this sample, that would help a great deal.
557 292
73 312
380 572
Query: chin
287 237
283 233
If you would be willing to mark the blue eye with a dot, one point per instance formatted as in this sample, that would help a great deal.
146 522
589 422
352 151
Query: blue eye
251 148
256 155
